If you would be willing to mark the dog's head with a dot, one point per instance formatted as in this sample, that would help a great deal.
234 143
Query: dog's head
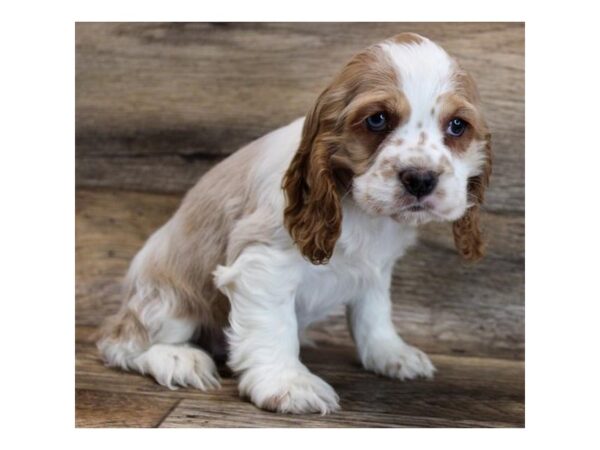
400 131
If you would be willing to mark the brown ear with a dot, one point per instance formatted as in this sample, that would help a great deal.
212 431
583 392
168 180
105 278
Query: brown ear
313 213
467 233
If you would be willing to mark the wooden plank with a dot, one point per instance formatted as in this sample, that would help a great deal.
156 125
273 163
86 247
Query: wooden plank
451 400
440 304
161 174
195 414
101 409
466 392
157 104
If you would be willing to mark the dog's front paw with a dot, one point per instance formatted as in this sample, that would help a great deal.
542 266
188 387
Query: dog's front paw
404 362
295 391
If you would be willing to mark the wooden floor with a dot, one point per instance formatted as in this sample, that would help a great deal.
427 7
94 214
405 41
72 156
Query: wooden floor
159 104
467 392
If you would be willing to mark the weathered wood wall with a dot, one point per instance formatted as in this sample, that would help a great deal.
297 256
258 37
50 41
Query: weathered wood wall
159 104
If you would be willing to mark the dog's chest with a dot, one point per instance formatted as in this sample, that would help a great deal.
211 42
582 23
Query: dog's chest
361 259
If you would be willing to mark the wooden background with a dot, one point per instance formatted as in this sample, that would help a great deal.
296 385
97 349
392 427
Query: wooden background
159 104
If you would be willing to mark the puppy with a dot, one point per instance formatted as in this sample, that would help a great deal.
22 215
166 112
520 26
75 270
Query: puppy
308 217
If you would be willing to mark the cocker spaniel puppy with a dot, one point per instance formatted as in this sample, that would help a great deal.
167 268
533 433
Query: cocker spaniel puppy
308 217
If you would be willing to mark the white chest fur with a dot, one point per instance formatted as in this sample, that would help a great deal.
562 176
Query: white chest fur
364 255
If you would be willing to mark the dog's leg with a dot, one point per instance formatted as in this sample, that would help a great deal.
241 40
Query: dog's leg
379 346
263 339
143 337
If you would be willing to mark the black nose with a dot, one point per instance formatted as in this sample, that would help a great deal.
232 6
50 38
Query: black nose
418 182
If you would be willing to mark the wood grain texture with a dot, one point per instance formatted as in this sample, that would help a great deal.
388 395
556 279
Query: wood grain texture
110 410
467 392
158 104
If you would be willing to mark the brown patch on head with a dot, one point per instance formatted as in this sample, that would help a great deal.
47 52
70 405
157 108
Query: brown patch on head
464 86
358 145
336 145
454 106
463 103
407 38
366 86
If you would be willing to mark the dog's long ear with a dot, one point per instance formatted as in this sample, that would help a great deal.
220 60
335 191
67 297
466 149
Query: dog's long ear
313 213
467 232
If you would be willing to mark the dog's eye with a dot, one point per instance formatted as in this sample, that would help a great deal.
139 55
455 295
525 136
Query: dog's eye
377 122
456 127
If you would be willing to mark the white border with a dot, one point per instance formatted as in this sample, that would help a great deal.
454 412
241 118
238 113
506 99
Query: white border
37 181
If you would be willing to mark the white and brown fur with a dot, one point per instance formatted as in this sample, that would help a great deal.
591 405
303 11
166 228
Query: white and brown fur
308 217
